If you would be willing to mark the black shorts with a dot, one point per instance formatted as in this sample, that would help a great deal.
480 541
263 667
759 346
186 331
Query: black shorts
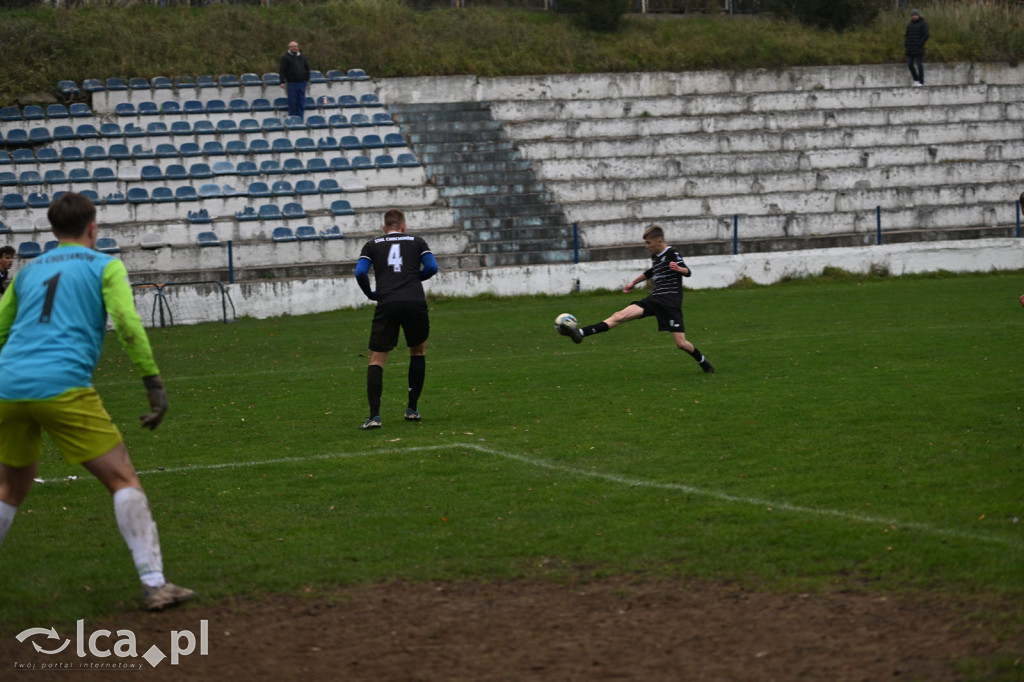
670 318
411 316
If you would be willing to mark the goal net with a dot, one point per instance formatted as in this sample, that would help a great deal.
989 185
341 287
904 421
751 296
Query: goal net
165 305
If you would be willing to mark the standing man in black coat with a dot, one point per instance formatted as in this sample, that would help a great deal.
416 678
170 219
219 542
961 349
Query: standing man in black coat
913 42
294 72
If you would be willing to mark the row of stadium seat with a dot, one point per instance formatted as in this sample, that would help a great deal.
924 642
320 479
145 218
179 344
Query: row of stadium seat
88 131
34 112
33 249
240 105
227 80
203 170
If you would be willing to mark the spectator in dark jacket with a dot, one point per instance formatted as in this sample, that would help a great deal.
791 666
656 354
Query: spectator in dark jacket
913 42
294 72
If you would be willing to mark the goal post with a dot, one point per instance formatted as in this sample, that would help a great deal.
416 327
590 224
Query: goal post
165 305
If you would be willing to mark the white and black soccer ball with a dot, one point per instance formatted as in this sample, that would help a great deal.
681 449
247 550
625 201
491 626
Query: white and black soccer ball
565 318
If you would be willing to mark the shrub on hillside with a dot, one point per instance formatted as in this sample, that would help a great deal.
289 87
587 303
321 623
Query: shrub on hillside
838 15
597 15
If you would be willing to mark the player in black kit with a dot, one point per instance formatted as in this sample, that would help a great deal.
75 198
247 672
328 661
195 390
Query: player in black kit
665 300
401 263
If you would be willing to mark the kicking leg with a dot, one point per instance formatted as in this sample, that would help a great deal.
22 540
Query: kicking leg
684 345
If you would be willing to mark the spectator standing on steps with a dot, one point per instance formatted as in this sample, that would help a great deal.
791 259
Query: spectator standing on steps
294 72
913 43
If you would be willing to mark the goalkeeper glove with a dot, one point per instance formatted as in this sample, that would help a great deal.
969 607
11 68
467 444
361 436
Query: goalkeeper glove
157 402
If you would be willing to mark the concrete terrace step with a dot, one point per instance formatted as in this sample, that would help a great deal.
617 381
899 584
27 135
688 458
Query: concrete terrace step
523 189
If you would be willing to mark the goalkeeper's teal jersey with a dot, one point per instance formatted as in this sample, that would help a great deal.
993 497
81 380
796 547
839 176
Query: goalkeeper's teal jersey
53 320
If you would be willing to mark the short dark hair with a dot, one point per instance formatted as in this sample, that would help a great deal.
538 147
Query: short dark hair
654 232
70 214
394 218
7 251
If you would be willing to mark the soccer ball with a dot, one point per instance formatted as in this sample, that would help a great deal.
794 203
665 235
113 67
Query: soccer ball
565 318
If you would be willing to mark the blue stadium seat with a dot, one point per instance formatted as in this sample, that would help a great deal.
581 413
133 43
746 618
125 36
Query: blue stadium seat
382 119
106 130
17 136
306 233
262 104
138 195
162 195
114 199
372 141
193 107
207 239
63 133
272 125
68 88
55 177
166 150
140 151
305 187
317 165
341 207
282 145
339 164
407 160
259 146
13 202
5 157
280 104
30 177
200 217
182 82
79 110
161 83
186 193
394 140
8 179
348 102
148 109
204 128
338 121
316 122
292 210
104 174
247 168
385 161
249 126
210 190
216 106
223 168
79 175
176 171
92 85
370 100
40 135
357 75
269 212
119 152
328 144
57 111
10 114
171 107
271 79
200 171
50 245
282 188
258 190
138 83
228 80
125 109
189 149
92 195
251 79
294 123
47 155
239 106
270 167
361 162
246 214
157 129
133 130
360 121
23 157
107 245
33 112
316 77
328 186
38 200
294 166
332 232
115 83
96 152
305 145
282 234
29 250
213 148
181 128
236 148
337 76
350 142
206 81
152 173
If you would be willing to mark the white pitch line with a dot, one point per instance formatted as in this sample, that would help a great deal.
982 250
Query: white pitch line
611 478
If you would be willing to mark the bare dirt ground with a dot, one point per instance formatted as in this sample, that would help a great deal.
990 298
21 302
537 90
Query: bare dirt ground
607 630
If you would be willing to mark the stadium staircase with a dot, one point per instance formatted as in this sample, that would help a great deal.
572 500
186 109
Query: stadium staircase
508 214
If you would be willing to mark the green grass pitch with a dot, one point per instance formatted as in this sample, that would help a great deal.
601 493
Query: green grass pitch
859 432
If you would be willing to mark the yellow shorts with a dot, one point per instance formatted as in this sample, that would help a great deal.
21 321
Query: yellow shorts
76 420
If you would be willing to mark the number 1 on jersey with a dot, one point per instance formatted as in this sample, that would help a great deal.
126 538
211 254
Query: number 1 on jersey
395 257
51 291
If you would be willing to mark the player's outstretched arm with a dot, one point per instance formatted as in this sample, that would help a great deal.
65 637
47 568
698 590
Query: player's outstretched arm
157 397
363 278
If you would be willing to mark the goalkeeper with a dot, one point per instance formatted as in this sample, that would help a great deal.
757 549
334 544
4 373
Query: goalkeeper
52 324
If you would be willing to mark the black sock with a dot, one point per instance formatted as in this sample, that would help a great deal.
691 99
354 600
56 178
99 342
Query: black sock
595 328
374 387
696 354
417 373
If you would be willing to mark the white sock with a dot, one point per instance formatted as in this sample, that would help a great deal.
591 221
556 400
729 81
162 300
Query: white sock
7 513
139 531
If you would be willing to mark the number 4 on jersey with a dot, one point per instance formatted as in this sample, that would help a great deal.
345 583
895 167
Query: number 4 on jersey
395 257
